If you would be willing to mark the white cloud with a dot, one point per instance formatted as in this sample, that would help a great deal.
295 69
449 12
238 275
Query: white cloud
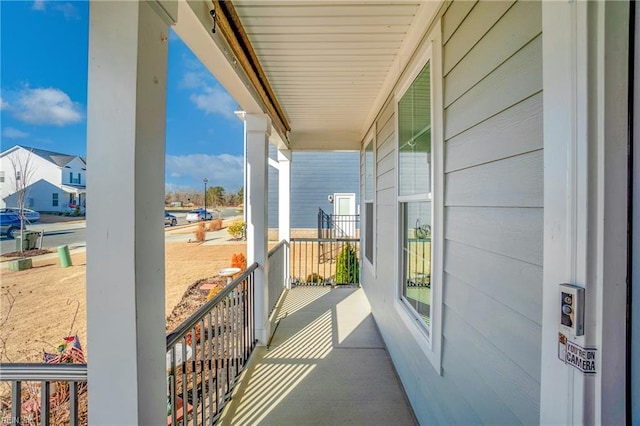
174 187
207 95
214 100
221 170
193 80
39 5
46 106
3 104
68 10
13 133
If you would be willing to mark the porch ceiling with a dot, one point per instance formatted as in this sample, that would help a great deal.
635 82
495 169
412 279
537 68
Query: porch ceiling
331 63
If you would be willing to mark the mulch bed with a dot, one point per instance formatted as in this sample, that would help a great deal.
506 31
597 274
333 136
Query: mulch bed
192 299
27 253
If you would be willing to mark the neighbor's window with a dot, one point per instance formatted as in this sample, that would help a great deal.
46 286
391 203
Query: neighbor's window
415 193
54 199
369 160
1 176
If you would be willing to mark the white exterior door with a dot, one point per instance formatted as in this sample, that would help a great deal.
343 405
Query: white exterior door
344 210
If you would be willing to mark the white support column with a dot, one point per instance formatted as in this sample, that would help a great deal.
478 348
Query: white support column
284 195
585 112
125 233
257 129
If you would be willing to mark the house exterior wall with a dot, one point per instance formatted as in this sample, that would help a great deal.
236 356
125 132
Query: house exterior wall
44 173
314 176
493 227
78 168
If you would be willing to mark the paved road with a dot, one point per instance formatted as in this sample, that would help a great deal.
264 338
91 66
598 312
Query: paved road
74 234
55 234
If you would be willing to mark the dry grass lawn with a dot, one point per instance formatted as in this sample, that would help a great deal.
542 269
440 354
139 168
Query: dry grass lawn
47 296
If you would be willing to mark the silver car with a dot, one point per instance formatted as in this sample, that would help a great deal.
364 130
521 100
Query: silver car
170 219
198 214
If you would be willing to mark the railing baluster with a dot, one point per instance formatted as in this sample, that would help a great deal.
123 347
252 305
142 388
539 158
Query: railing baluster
217 356
172 390
194 376
16 402
203 381
73 403
183 375
44 402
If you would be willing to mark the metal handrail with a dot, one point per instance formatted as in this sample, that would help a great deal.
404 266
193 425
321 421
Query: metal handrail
277 247
209 350
27 372
197 316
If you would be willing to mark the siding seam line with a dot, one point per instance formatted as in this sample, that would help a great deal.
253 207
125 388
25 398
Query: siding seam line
444 42
528 42
491 251
480 38
496 160
468 284
491 116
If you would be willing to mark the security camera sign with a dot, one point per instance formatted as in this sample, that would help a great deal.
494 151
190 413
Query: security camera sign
582 359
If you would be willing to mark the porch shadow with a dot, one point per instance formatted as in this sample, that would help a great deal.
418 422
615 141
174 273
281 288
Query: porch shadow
326 365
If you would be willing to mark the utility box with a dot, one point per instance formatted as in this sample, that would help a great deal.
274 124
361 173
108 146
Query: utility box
26 240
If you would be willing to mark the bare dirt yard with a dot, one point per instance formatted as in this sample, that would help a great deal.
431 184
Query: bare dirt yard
40 304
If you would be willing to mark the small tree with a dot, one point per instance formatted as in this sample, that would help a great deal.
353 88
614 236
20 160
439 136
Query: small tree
23 171
237 230
347 266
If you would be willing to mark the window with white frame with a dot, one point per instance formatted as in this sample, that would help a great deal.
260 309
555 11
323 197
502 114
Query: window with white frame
369 190
415 189
1 176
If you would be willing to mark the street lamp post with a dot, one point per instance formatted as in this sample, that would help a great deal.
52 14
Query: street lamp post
205 181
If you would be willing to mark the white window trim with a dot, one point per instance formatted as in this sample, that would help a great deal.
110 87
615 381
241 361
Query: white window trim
371 138
430 341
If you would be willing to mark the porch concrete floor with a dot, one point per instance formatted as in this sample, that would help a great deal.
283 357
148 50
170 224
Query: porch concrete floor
326 365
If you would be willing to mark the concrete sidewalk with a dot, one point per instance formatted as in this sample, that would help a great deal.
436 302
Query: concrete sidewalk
326 365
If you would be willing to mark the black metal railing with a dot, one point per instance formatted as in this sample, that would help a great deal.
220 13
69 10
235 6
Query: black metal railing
278 278
45 393
205 356
338 226
325 261
207 352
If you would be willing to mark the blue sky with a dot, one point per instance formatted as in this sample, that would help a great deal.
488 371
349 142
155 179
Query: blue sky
43 83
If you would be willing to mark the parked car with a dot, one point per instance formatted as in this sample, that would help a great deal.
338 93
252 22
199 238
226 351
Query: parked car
9 223
30 216
170 219
198 214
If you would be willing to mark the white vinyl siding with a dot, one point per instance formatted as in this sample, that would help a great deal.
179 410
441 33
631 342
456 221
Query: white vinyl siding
493 224
493 209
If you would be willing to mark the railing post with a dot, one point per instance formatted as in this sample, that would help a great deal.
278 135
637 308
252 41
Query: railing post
257 131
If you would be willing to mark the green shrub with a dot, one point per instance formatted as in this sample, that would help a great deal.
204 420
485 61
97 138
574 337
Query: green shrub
237 230
347 266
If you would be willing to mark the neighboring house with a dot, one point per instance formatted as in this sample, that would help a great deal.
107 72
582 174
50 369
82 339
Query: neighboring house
316 176
57 182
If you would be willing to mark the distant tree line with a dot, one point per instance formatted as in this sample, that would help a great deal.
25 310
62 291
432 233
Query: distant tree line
217 196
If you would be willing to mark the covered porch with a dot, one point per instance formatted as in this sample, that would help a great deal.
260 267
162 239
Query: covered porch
445 101
326 363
